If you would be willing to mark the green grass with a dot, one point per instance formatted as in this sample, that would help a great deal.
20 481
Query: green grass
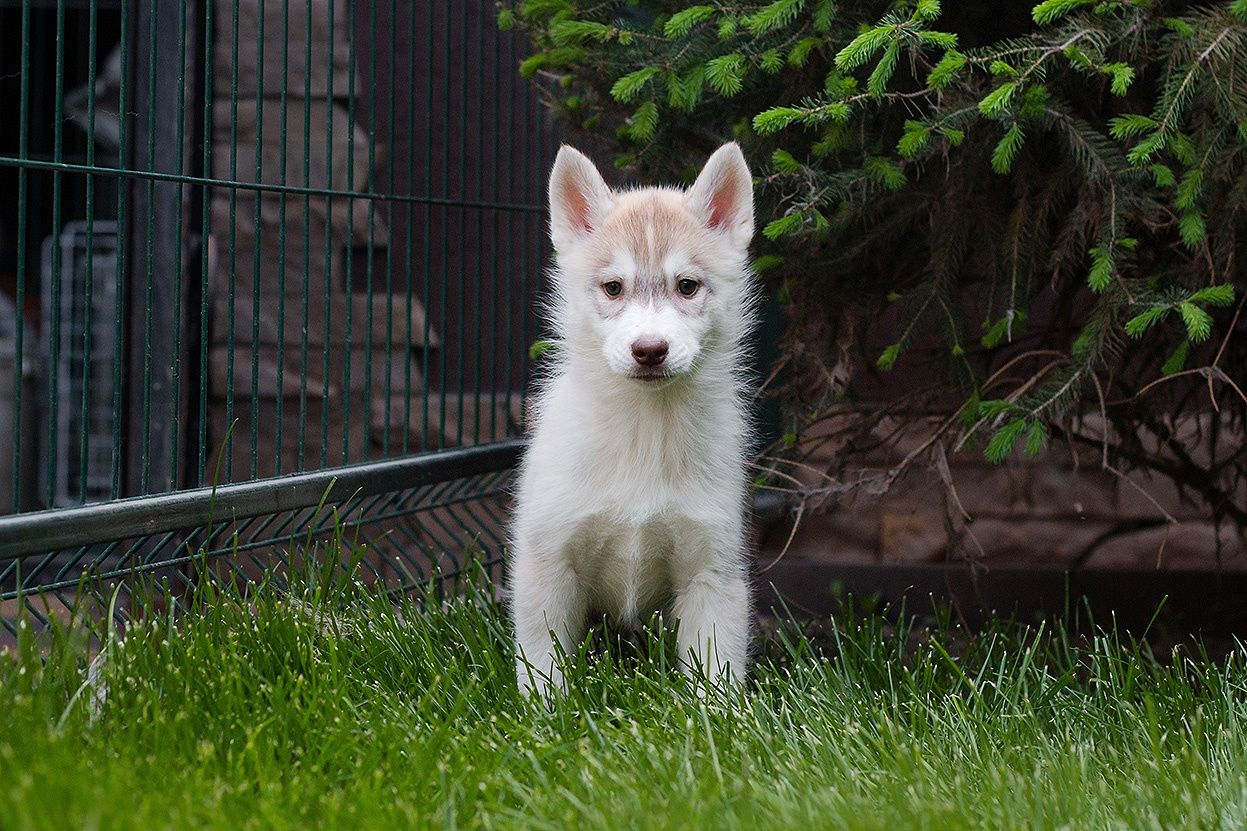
341 710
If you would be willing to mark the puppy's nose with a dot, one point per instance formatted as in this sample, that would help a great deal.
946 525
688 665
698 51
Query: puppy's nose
649 351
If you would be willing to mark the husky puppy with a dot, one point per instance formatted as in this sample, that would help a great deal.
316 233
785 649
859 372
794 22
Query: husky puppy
631 494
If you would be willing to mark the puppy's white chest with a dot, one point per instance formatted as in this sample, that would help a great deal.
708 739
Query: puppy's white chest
627 567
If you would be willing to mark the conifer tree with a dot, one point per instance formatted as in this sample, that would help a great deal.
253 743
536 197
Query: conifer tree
1046 203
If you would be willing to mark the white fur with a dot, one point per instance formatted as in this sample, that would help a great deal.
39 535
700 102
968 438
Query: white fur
631 494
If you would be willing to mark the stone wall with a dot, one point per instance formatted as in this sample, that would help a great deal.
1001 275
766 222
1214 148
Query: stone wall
403 127
292 357
1060 509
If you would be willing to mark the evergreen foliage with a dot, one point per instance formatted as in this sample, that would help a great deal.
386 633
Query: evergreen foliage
1047 205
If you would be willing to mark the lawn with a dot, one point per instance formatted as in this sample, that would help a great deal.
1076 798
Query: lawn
342 710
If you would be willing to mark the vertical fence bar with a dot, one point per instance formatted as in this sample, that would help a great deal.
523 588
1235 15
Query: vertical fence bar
407 235
231 276
348 235
391 144
121 331
257 243
462 322
410 229
508 334
182 150
324 415
205 264
478 272
374 48
445 231
495 229
426 296
54 327
279 404
307 234
543 159
156 240
89 277
525 224
19 356
148 106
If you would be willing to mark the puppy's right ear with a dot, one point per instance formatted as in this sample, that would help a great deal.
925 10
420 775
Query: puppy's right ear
579 198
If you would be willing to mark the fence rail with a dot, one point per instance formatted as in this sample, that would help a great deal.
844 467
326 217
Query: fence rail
44 531
303 235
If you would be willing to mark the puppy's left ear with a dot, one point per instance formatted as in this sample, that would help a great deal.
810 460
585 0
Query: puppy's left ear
722 196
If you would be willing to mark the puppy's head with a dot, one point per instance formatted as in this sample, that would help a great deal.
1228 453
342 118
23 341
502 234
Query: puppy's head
652 278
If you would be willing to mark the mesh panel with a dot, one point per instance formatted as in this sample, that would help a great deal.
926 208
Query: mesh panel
294 235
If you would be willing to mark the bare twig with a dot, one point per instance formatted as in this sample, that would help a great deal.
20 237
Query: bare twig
796 523
1099 390
1205 371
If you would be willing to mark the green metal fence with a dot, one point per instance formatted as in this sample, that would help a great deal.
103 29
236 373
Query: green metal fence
256 255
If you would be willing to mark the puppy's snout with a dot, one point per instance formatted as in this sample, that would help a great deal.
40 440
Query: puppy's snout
649 351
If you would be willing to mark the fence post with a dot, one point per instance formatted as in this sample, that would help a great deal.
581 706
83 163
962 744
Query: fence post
164 82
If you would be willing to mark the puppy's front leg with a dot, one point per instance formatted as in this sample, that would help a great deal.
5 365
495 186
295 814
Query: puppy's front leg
547 603
713 636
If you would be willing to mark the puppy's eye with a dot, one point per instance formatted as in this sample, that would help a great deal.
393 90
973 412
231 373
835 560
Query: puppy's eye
613 288
687 287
